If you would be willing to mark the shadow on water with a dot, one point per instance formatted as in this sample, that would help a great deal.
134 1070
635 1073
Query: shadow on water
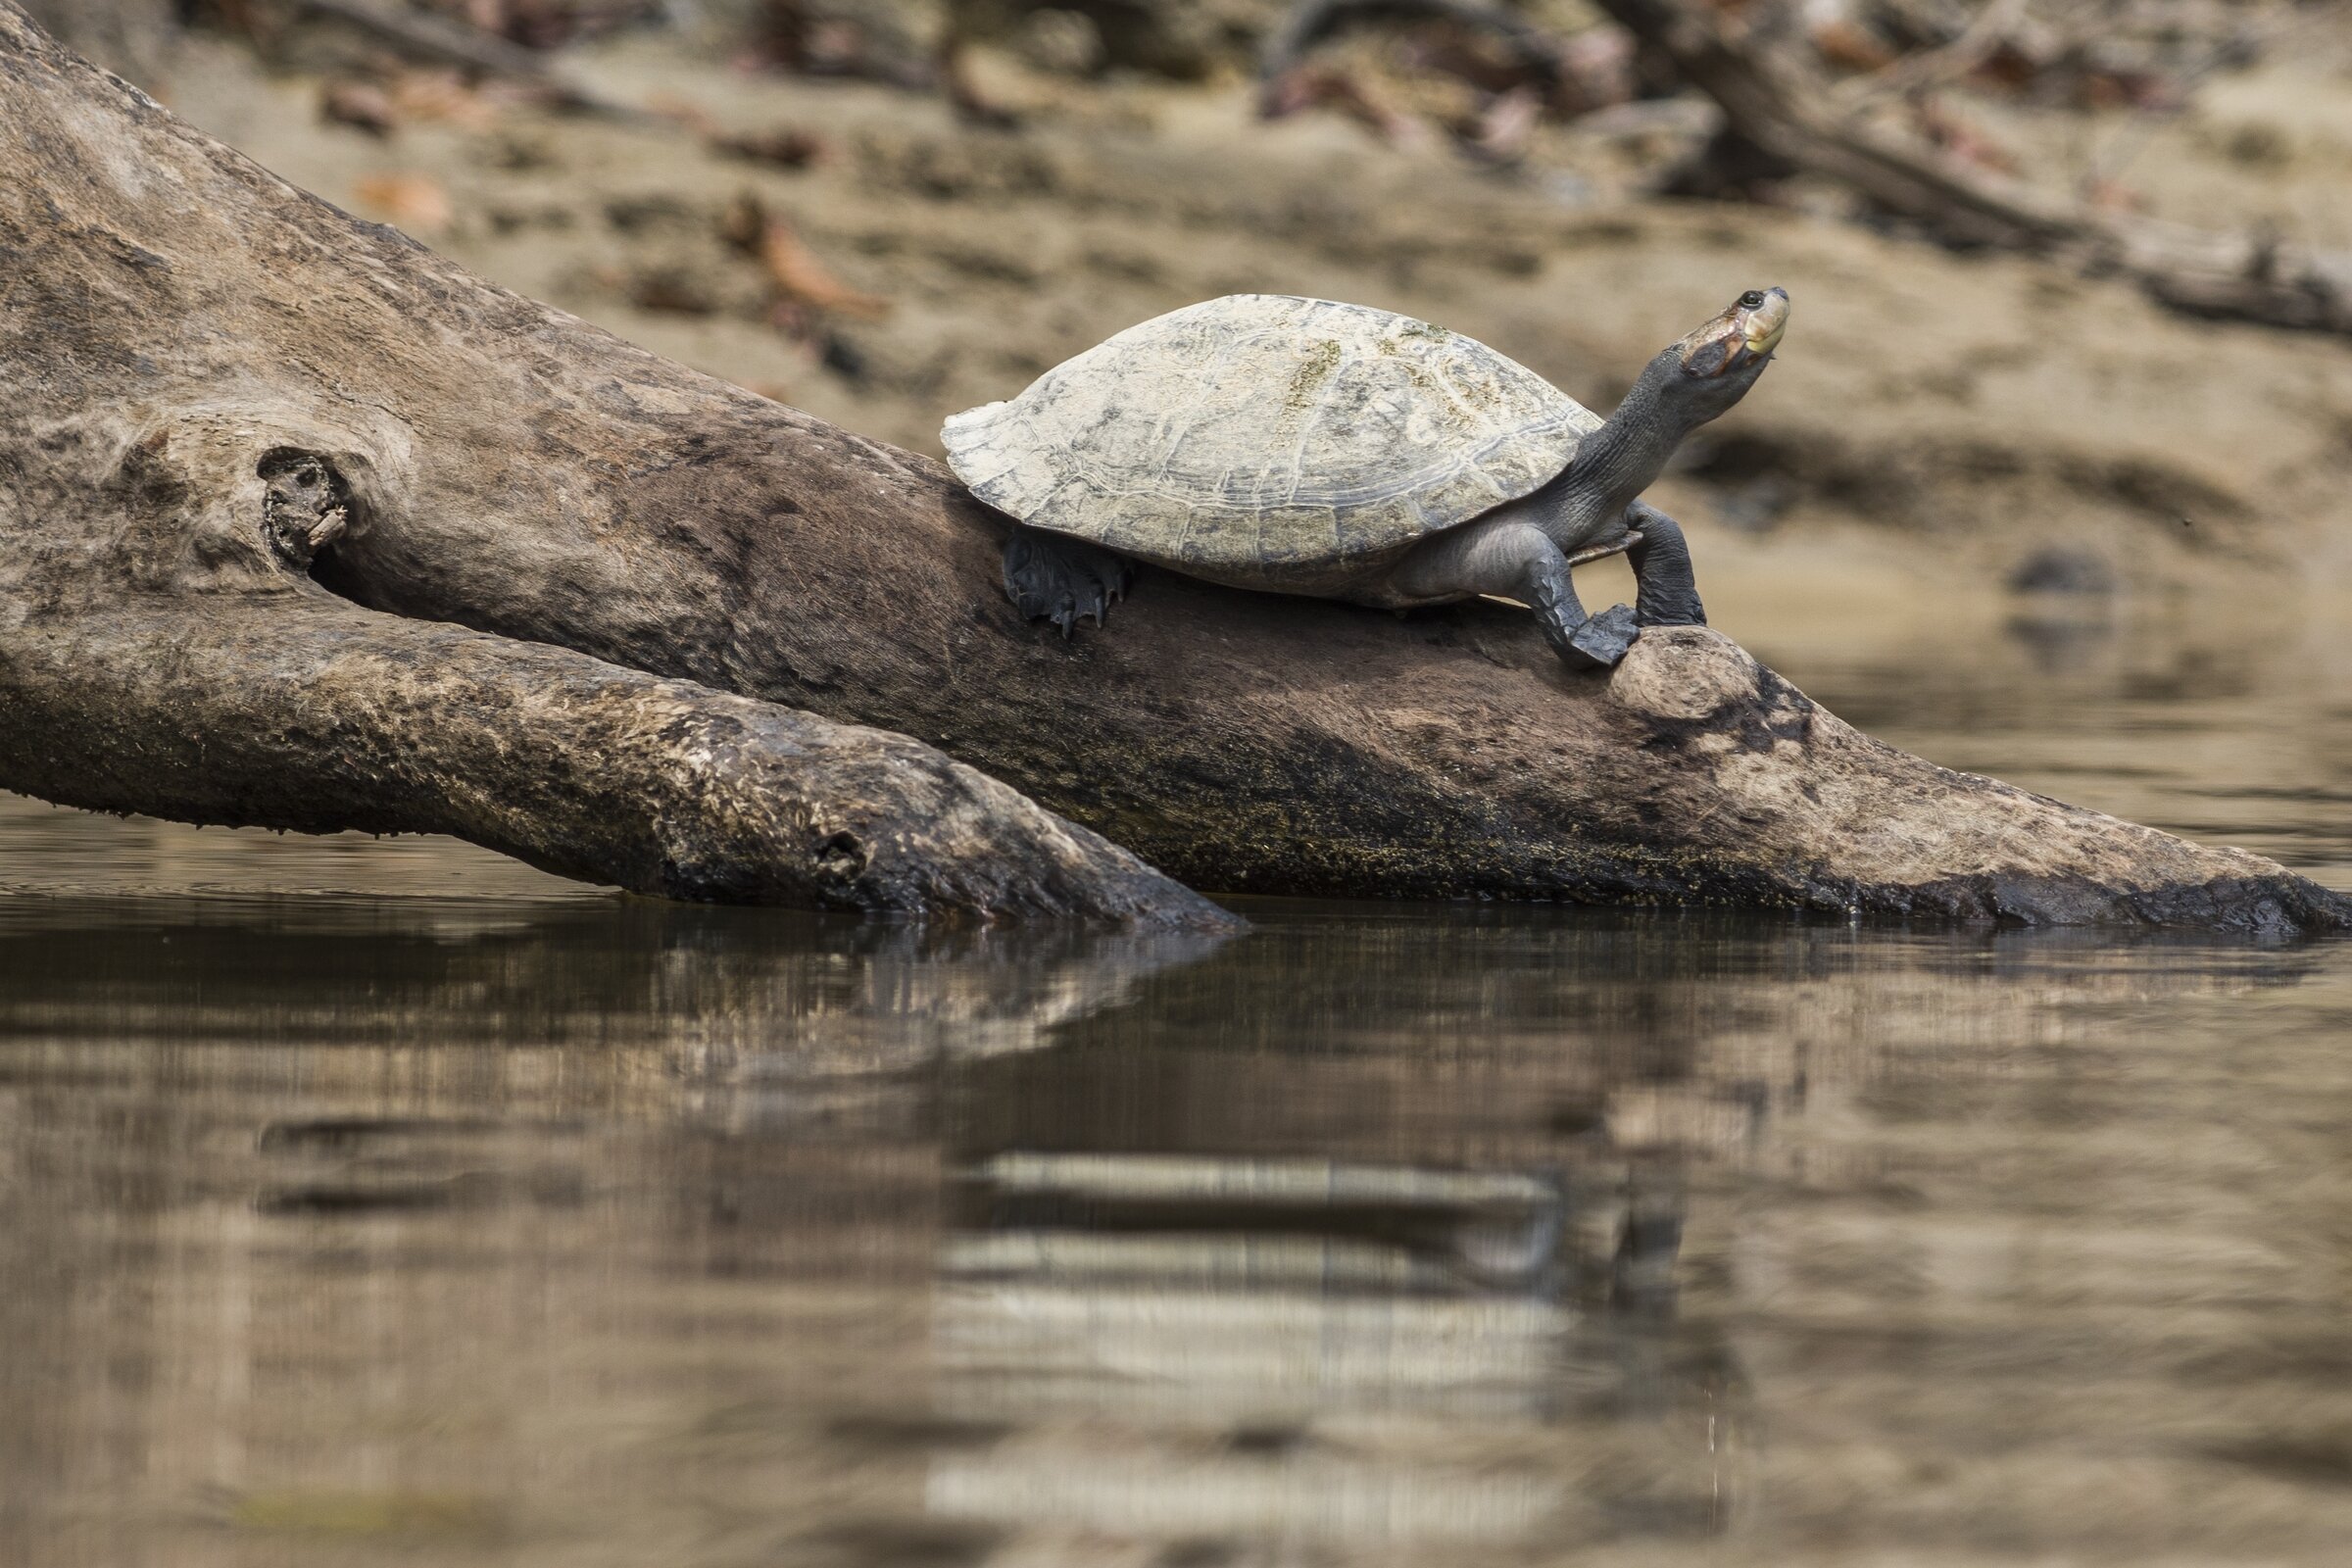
592 1229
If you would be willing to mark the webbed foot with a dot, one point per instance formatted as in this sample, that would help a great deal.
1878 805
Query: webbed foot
1605 639
1582 642
1049 578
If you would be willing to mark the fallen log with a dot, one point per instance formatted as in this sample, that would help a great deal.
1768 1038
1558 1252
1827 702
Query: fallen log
136 37
287 711
216 382
1768 106
163 650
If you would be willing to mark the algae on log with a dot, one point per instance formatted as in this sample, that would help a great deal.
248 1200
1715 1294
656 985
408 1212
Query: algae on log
180 321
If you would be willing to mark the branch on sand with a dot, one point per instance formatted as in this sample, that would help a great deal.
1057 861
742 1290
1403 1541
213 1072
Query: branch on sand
1768 104
447 41
668 609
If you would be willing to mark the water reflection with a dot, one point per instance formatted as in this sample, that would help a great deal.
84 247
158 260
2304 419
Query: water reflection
1227 1350
595 1230
2218 714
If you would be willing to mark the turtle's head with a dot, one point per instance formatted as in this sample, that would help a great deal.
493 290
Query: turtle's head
1687 384
1719 361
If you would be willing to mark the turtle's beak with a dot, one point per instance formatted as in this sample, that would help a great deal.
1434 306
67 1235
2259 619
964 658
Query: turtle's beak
1761 325
1743 335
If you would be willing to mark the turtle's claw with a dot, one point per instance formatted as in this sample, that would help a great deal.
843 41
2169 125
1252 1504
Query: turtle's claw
1063 580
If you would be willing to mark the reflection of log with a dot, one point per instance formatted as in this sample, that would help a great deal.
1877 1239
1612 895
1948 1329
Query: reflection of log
2250 277
723 1005
489 462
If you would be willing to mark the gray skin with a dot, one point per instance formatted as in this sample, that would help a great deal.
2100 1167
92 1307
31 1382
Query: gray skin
1523 548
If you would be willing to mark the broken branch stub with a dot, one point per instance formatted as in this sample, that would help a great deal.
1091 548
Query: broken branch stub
508 468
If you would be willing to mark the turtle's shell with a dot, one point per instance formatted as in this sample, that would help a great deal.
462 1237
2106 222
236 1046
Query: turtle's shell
1266 438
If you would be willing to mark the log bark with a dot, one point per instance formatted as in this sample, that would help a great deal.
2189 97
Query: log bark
181 327
1765 103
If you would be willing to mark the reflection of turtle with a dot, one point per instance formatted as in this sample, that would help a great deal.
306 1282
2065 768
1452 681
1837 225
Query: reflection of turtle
1308 447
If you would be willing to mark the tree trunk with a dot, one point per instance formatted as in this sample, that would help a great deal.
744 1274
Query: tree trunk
187 336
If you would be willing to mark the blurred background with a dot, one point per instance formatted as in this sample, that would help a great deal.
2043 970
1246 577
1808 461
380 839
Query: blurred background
390 1203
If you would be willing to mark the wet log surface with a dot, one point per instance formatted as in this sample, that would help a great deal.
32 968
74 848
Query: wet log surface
183 331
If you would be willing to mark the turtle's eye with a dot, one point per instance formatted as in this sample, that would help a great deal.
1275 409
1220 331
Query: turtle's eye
1751 299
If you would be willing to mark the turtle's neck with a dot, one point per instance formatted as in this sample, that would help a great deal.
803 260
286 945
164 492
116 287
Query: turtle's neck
1621 459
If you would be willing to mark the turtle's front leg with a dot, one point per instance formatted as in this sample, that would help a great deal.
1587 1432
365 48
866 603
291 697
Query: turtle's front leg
1582 642
1514 558
1668 591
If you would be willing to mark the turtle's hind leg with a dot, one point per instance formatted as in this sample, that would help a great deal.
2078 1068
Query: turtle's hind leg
1051 577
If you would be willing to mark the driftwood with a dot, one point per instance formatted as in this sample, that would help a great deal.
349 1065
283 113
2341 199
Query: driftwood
446 42
214 380
1529 75
136 37
1769 106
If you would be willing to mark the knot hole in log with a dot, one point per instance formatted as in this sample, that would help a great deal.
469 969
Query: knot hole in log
842 858
306 504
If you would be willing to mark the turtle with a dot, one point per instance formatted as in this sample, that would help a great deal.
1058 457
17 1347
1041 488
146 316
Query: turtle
1307 446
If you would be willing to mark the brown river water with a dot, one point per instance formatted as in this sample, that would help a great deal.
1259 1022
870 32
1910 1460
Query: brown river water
386 1203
